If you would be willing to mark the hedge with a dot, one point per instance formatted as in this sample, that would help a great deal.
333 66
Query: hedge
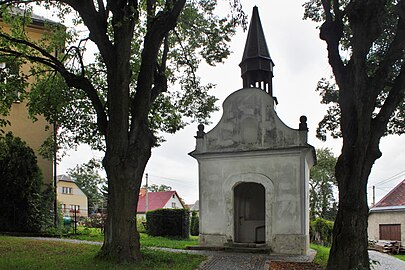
194 226
23 206
168 222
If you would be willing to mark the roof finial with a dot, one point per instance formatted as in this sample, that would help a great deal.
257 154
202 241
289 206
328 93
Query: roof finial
256 65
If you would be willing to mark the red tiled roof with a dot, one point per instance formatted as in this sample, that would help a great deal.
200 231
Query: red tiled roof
396 197
156 200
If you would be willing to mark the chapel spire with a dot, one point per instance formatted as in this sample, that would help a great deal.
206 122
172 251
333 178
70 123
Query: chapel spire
256 65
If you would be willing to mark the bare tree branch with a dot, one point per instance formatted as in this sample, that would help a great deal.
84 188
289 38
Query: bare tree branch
395 97
327 8
160 79
97 25
394 52
101 9
162 24
72 80
192 68
150 11
41 50
332 31
12 2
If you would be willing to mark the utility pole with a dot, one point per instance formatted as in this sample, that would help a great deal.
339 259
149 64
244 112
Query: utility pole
146 195
55 188
55 162
373 196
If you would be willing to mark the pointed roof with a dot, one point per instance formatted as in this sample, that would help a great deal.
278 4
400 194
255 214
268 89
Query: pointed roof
256 45
257 66
156 200
396 197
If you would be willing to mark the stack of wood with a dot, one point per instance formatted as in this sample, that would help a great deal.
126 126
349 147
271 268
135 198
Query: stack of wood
387 246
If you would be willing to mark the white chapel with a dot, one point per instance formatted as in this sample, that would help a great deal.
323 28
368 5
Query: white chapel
253 169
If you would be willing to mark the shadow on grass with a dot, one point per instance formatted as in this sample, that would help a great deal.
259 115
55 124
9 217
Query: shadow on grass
18 253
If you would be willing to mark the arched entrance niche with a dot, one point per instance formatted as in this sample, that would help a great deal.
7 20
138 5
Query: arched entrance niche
253 183
249 213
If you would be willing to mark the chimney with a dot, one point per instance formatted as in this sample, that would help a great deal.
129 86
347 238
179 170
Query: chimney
142 191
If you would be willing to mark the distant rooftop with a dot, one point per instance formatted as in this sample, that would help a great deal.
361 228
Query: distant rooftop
156 200
394 200
64 177
388 209
36 18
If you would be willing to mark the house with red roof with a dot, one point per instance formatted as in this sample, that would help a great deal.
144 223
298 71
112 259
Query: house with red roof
149 201
386 220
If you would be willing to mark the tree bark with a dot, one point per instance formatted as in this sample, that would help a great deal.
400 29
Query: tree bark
359 152
349 245
361 130
124 172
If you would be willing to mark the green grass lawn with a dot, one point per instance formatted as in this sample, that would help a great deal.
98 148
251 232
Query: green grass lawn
20 253
157 241
400 256
146 240
322 254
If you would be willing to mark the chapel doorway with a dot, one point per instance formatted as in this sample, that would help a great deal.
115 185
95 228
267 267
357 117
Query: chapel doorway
249 213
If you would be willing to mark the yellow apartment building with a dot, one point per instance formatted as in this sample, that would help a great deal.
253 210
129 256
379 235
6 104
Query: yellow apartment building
71 197
33 133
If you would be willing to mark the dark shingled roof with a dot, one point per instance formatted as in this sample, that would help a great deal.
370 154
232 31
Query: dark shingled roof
257 66
396 197
64 177
256 45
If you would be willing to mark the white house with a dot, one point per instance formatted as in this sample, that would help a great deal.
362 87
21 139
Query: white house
386 220
157 200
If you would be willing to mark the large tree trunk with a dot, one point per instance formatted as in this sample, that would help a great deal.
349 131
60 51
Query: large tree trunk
359 152
124 172
349 246
363 78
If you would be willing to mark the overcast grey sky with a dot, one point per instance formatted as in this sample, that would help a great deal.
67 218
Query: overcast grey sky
300 61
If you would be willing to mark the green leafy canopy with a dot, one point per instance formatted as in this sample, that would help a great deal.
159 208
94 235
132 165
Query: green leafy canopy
199 35
375 58
322 184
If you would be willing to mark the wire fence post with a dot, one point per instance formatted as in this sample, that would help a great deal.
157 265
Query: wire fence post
75 219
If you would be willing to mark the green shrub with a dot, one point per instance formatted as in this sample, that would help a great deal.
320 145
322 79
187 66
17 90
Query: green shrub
141 224
168 222
194 225
321 231
23 207
96 220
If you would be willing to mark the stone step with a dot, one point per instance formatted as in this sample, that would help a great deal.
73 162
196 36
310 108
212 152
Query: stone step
248 245
236 247
262 250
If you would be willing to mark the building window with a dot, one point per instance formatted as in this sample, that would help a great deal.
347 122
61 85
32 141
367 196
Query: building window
67 190
74 208
173 205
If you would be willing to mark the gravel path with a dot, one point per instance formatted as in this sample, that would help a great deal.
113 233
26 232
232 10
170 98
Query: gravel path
220 260
385 261
65 240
